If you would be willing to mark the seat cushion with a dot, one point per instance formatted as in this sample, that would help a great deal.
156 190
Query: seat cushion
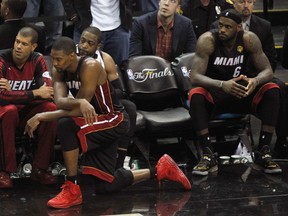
175 120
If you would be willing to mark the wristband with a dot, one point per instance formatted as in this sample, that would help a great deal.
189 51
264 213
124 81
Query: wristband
221 84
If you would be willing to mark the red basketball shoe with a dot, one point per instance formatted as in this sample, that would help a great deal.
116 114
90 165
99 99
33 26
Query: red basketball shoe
69 196
168 169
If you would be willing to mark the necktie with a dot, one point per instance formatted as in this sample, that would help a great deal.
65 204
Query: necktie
245 26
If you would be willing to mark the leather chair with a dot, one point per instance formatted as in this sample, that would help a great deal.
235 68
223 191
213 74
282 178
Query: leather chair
152 86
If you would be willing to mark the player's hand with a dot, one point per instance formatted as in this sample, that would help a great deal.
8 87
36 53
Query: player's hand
45 92
31 126
4 84
234 87
88 112
252 84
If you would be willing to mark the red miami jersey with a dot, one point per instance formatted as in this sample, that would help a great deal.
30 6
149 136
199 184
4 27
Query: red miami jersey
33 74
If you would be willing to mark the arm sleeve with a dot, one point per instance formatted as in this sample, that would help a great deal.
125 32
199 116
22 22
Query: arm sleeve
191 38
136 40
24 96
69 8
12 97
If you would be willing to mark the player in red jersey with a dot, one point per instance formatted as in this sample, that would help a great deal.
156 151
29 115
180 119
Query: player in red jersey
25 90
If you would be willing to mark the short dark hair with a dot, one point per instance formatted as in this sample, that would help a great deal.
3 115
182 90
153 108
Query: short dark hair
95 31
17 7
64 43
29 32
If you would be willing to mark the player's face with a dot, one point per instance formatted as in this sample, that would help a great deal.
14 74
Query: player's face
88 44
227 29
168 8
61 60
244 7
23 47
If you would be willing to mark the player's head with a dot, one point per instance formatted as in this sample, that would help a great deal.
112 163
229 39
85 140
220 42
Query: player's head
90 40
63 53
229 24
25 43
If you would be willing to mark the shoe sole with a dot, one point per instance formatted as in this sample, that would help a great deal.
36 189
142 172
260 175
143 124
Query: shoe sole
204 173
171 162
272 171
259 167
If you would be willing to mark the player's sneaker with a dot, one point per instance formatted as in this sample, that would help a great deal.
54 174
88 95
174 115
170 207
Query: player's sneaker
168 169
69 196
264 159
207 163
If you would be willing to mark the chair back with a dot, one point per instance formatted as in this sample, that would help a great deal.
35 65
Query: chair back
182 68
151 83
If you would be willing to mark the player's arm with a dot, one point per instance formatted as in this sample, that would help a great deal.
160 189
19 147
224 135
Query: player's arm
253 45
204 48
10 96
110 67
265 73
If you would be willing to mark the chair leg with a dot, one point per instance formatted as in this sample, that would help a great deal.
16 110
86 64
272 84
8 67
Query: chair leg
144 146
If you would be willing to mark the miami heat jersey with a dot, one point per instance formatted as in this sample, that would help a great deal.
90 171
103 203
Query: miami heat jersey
224 64
33 74
104 100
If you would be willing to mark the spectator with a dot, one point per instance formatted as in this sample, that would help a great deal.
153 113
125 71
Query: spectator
222 84
203 12
89 46
114 19
50 8
79 13
12 12
163 33
30 93
90 123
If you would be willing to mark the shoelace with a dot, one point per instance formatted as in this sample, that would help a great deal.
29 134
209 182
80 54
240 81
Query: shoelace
64 191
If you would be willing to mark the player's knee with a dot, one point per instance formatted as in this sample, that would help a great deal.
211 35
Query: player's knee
122 179
10 111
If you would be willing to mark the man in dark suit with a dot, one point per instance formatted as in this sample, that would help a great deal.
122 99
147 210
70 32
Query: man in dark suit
12 12
163 32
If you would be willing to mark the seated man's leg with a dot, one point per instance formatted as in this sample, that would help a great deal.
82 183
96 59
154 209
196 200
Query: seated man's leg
267 111
123 142
8 164
46 137
200 116
281 145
